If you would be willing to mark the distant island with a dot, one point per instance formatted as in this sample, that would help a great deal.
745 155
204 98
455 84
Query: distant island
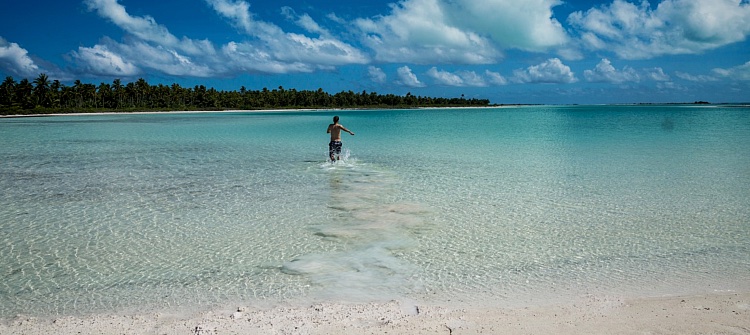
42 96
677 103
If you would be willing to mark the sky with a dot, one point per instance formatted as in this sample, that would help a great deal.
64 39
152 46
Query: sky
507 51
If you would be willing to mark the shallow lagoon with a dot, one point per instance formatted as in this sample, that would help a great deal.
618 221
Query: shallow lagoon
507 206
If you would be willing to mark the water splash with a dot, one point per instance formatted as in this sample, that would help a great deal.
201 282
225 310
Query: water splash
344 160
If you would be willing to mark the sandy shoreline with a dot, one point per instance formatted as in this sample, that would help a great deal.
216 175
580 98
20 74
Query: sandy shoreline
277 110
169 112
717 313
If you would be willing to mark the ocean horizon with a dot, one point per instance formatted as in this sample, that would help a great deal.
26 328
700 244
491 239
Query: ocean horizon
500 206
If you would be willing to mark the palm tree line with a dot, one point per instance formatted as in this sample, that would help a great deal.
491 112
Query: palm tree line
44 96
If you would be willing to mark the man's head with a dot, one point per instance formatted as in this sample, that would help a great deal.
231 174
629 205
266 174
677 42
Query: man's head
336 119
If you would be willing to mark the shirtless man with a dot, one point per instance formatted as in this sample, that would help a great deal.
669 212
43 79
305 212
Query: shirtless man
334 148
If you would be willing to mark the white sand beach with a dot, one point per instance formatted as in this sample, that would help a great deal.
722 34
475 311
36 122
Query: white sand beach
719 313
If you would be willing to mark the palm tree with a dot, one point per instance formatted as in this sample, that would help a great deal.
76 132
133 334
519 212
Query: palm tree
89 95
7 91
105 95
117 88
24 94
41 90
68 97
142 89
54 94
130 94
78 90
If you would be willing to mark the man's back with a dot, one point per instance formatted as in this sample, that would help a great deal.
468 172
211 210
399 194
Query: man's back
335 130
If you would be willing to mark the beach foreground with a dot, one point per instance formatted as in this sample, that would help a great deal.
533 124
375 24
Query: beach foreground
720 313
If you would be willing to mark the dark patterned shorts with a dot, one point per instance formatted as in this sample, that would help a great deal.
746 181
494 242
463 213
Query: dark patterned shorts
334 147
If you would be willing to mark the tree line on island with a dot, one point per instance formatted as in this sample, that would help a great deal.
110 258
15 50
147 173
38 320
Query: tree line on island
43 96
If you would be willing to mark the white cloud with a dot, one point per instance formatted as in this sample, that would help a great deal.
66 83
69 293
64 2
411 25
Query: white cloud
741 72
657 74
471 78
304 21
495 78
675 27
460 78
99 60
570 52
418 31
444 77
461 31
333 17
238 12
151 45
16 60
526 25
550 71
245 57
696 78
323 52
670 86
127 58
146 28
407 78
376 74
605 72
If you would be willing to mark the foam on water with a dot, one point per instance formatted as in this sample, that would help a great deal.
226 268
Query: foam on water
372 231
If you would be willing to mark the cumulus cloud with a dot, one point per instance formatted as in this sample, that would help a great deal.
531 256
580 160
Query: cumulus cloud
146 28
471 78
605 72
238 12
318 52
150 45
675 27
376 74
245 57
112 58
408 78
670 86
552 71
460 78
696 78
99 60
16 60
495 78
741 72
304 21
335 18
461 31
526 25
444 77
419 31
322 52
657 74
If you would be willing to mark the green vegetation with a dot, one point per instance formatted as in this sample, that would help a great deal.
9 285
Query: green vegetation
43 97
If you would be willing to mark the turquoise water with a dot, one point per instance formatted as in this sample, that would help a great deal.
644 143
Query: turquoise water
501 206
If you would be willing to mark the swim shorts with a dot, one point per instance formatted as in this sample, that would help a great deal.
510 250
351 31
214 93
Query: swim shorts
334 147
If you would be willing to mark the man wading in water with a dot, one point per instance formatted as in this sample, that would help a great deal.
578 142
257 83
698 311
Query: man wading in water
334 148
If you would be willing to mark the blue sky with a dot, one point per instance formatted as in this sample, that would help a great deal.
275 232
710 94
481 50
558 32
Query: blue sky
508 51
